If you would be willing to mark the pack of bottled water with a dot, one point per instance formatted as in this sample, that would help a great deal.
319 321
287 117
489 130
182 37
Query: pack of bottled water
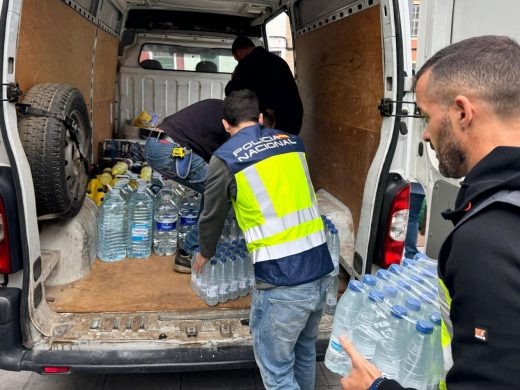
230 273
393 319
189 205
333 244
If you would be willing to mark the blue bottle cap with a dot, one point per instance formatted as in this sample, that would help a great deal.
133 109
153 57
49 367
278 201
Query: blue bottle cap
413 304
424 326
396 269
232 258
408 263
399 311
436 318
334 230
376 296
426 272
213 261
390 292
417 279
369 280
234 242
420 256
383 274
242 255
403 286
331 226
355 285
228 253
223 259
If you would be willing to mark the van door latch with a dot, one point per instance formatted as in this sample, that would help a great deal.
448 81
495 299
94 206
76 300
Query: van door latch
13 92
386 108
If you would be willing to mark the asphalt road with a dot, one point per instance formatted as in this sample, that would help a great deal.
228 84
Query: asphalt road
244 379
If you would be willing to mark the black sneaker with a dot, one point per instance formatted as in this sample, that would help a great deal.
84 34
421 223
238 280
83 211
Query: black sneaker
182 261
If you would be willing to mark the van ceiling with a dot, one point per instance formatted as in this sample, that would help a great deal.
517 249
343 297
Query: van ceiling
251 8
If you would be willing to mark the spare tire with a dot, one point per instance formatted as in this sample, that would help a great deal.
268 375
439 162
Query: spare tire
58 155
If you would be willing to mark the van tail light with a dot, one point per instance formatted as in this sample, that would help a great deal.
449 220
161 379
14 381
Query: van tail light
396 229
5 255
56 370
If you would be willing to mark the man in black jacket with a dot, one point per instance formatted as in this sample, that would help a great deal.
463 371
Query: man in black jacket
469 95
270 78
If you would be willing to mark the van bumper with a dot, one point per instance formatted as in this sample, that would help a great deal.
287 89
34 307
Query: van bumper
147 361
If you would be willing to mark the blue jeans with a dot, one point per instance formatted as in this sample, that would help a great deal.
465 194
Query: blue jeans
410 242
158 155
284 323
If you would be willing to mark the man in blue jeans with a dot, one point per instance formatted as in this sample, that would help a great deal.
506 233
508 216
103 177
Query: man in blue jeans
198 128
264 173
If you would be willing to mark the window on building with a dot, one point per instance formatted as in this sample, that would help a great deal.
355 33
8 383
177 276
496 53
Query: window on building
279 38
415 20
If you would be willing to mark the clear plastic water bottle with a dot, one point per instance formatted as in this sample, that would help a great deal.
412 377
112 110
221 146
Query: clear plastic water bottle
242 275
391 349
212 289
140 219
224 234
331 300
165 233
112 227
413 305
437 366
347 311
233 229
415 367
223 280
233 276
365 337
369 283
194 281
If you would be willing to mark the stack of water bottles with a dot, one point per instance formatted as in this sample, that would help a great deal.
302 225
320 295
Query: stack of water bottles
393 320
334 245
230 273
133 220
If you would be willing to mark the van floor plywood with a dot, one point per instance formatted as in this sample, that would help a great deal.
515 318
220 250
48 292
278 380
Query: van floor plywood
132 285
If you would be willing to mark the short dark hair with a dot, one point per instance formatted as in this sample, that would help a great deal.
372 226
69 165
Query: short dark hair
241 42
241 106
487 67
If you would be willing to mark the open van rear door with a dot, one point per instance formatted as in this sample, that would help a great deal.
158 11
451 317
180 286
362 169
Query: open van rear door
442 23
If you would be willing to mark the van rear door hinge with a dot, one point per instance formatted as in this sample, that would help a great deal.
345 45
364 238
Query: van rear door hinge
386 108
13 92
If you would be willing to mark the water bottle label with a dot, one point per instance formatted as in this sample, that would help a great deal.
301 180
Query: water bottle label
165 226
189 220
140 231
212 292
336 346
222 289
233 287
242 284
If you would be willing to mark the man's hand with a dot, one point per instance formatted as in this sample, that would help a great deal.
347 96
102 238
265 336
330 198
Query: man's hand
363 373
199 263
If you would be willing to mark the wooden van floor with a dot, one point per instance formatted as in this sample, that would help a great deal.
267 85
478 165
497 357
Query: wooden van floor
132 285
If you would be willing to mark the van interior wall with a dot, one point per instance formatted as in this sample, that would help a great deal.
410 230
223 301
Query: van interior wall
56 45
340 77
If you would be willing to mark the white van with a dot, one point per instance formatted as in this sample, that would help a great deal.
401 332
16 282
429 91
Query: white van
74 73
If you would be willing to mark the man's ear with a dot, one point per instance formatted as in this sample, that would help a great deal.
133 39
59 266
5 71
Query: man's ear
261 119
465 111
226 125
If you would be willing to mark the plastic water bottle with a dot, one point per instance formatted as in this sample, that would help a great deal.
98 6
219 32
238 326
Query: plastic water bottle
331 300
391 349
212 289
369 283
165 233
233 276
224 234
188 212
140 218
365 337
437 366
194 281
242 275
415 367
347 311
112 227
223 280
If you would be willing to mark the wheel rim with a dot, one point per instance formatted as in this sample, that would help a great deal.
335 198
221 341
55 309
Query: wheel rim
74 167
